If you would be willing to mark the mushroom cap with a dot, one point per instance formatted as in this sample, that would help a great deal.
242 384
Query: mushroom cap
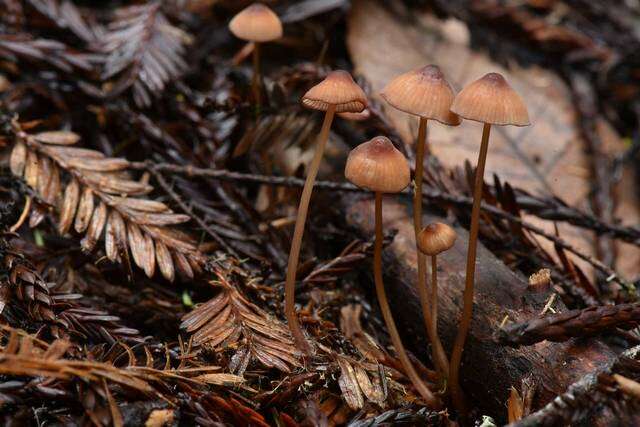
338 89
490 99
256 23
377 165
435 238
423 92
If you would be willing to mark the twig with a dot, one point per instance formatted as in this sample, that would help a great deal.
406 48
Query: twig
601 197
575 323
428 192
176 198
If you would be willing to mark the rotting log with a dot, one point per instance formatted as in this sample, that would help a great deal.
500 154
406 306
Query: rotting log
488 369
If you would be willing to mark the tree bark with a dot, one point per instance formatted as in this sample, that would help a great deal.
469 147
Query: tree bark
488 369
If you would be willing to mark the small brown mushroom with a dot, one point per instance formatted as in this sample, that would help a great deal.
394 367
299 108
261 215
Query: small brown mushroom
378 166
489 100
336 93
425 93
434 239
257 24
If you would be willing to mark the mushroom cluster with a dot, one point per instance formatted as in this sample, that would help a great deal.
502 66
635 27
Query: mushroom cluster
376 165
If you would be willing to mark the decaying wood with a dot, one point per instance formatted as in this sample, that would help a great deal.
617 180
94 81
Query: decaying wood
488 369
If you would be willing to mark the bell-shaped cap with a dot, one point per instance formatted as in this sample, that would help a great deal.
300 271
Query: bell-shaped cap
490 99
423 92
436 238
256 23
338 89
377 165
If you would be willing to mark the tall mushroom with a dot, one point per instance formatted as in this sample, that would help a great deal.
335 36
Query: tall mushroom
378 166
434 239
425 93
489 100
257 24
337 93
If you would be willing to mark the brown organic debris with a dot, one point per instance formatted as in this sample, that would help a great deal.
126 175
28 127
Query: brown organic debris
570 324
96 196
230 321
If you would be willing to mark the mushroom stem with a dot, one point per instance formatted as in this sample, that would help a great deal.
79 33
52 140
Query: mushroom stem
422 388
438 354
434 299
255 81
296 242
467 308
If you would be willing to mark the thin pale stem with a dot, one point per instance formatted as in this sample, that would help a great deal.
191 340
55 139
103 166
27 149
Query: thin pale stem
255 82
438 354
422 388
296 242
467 308
434 296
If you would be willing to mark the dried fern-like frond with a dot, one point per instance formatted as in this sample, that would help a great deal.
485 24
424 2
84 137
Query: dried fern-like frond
144 50
66 315
230 321
24 355
89 323
95 195
66 15
28 287
15 46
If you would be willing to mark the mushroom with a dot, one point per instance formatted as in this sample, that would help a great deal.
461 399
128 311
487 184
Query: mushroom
434 239
425 93
256 24
336 93
489 100
378 166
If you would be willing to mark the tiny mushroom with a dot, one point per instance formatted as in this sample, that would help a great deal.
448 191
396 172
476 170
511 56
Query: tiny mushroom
434 239
491 101
425 93
378 166
336 93
256 24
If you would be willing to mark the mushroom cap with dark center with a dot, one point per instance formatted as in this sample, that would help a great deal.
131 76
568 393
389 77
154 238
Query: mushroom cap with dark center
377 165
423 92
256 23
338 89
436 238
490 99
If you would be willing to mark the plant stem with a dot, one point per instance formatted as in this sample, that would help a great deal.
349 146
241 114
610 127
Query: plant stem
438 354
467 308
422 388
255 82
434 298
296 242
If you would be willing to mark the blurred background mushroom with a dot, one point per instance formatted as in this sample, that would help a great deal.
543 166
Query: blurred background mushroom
256 24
